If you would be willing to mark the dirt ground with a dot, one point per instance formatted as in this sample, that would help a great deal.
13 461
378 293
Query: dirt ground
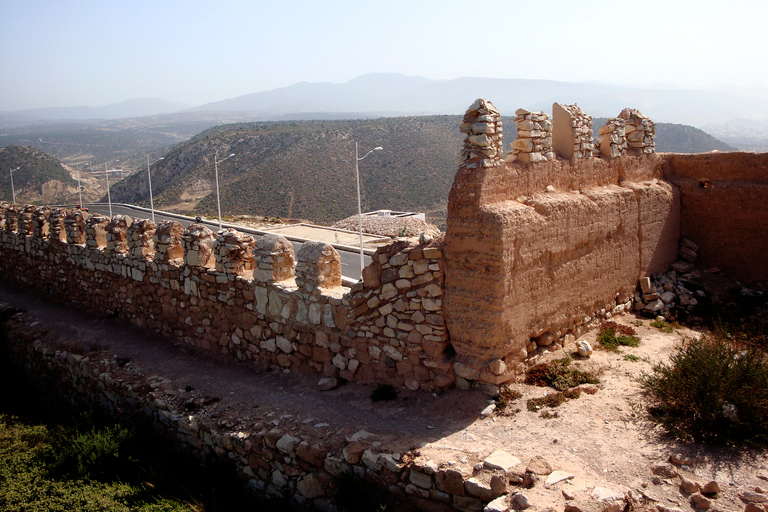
603 439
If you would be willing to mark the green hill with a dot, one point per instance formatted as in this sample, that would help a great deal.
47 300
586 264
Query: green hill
41 178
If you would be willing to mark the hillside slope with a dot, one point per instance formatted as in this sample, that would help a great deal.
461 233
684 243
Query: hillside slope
40 179
306 169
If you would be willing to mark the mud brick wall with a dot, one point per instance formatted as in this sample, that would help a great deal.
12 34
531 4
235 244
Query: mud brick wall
535 253
725 209
232 295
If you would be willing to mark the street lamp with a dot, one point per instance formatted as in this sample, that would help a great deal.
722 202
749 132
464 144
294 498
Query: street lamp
109 197
216 171
149 178
359 207
79 186
13 190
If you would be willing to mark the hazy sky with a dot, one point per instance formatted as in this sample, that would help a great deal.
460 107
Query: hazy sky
95 52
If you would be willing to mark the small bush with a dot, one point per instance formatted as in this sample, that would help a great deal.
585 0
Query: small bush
613 335
632 357
711 391
559 374
89 454
551 400
505 399
663 326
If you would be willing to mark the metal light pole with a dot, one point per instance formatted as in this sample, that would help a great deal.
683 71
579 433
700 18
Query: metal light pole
79 189
216 172
149 178
13 190
359 207
109 196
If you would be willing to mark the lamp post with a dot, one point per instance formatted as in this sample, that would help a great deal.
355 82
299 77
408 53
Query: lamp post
359 207
216 172
149 178
13 190
79 189
109 196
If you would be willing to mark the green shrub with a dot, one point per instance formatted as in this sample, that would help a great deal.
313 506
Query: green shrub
711 391
663 326
89 454
559 374
613 335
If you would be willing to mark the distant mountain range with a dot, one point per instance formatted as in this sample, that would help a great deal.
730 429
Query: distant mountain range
390 94
138 107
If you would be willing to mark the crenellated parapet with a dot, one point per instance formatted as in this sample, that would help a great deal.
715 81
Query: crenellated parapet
483 142
56 228
640 132
198 242
612 139
274 259
534 138
96 232
11 219
74 225
40 226
117 235
234 252
318 266
139 237
25 225
167 241
253 300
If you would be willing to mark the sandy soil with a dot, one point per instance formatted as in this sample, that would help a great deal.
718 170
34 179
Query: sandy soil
602 439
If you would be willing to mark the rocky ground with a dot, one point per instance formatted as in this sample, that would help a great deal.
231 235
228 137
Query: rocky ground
594 452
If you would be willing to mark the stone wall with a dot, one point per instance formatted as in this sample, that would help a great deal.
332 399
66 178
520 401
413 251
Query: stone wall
724 209
536 253
275 459
227 294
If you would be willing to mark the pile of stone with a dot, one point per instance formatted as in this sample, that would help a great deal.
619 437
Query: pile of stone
483 142
640 132
534 138
611 138
661 293
572 131
405 227
688 253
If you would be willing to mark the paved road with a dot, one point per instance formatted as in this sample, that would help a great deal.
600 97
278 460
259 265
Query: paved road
350 261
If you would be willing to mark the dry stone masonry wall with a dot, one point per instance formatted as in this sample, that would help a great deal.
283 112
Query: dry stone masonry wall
640 132
483 129
534 138
256 301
